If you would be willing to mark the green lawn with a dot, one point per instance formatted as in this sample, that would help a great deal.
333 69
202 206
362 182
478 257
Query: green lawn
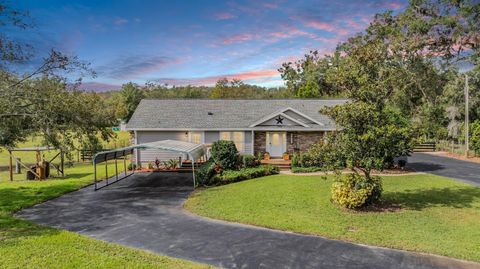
122 139
437 215
27 245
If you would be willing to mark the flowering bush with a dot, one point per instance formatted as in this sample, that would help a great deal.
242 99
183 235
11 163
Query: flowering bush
355 191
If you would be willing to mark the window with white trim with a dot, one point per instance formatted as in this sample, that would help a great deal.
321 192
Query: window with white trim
237 137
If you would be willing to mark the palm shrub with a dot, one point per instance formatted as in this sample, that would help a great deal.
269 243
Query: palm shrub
225 154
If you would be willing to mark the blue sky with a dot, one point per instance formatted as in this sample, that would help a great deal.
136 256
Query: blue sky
192 42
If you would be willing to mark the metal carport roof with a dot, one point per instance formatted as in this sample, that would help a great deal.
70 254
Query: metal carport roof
194 151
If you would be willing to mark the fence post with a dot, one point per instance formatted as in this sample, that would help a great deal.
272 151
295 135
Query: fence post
10 165
18 168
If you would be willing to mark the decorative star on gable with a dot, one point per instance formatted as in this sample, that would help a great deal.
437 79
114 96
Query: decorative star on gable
279 120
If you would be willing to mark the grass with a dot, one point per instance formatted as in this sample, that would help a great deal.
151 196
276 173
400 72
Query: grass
437 215
27 245
122 139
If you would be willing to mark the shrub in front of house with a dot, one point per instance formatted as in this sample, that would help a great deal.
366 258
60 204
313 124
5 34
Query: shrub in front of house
225 154
354 191
320 153
205 173
230 176
248 160
209 175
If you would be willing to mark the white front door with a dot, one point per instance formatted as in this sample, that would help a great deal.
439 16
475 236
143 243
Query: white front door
276 143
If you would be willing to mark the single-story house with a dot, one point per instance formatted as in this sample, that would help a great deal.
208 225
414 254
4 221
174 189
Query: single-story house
256 126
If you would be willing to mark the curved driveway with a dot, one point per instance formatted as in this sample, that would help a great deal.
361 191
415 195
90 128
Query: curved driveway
468 172
141 212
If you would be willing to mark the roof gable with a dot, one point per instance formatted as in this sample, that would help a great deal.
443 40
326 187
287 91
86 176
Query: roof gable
287 117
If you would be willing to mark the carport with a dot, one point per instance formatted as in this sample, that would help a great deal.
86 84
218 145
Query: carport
192 150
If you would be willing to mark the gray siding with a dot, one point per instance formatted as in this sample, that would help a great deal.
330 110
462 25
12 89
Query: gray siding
150 155
248 142
211 136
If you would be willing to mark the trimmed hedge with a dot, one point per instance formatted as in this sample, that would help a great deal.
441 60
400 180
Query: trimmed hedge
230 176
208 175
248 160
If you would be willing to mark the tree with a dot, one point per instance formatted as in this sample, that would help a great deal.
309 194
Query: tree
454 125
43 101
11 50
221 89
370 138
306 78
475 136
131 97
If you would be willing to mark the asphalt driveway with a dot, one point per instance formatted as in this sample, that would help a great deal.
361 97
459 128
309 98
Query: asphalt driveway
145 211
468 172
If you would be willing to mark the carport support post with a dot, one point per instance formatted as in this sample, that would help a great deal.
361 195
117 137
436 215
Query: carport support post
95 173
106 169
116 166
193 170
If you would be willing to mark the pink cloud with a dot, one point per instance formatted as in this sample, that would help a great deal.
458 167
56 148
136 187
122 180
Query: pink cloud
291 32
329 27
393 5
270 5
321 25
237 38
211 80
330 41
354 24
224 16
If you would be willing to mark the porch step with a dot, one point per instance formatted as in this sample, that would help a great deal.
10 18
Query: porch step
280 163
187 165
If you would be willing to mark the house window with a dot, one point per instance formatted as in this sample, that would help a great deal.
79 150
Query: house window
237 137
195 137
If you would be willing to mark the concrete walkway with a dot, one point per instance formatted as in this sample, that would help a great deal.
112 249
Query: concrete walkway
468 172
141 212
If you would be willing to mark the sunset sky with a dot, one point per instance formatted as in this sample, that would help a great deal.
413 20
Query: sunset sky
192 42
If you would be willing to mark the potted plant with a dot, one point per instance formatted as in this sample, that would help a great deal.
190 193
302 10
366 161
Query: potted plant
266 156
286 156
